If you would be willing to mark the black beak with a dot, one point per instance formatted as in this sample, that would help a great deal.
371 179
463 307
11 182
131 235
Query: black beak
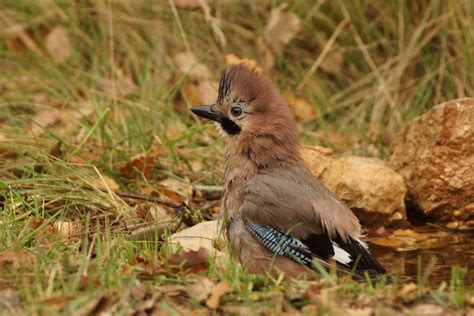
206 112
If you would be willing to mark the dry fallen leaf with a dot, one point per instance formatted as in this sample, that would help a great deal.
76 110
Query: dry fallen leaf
177 191
199 88
202 235
191 261
208 91
122 85
44 119
68 230
196 166
12 261
59 44
9 300
218 291
300 108
192 95
140 165
281 27
159 214
266 56
190 4
6 152
429 309
188 64
145 306
333 62
59 300
232 59
365 311
201 289
21 38
406 289
105 182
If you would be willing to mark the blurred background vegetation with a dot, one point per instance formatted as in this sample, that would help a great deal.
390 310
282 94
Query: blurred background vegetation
96 93
362 67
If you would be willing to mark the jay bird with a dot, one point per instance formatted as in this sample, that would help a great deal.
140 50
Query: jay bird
277 215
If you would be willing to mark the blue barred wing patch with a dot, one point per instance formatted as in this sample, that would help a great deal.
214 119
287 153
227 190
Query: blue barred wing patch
282 244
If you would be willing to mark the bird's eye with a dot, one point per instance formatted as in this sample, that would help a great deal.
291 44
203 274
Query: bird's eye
236 111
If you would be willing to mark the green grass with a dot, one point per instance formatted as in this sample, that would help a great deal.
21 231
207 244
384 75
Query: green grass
421 52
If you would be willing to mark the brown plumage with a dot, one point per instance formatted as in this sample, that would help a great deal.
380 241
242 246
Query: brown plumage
268 184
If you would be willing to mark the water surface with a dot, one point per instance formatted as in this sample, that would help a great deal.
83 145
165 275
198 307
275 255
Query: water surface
447 249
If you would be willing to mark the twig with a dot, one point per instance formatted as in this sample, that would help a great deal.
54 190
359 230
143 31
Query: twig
142 197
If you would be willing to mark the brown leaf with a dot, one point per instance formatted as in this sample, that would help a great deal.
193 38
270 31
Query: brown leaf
44 119
9 299
232 59
300 108
208 91
159 214
203 235
281 27
146 305
190 91
139 291
141 164
201 289
12 261
365 311
199 87
21 38
190 4
429 309
310 309
68 230
59 300
193 261
105 182
265 53
196 166
333 62
218 291
59 44
188 64
121 85
97 306
6 152
406 289
177 191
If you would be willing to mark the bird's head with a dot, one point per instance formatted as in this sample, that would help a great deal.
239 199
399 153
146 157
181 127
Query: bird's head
247 104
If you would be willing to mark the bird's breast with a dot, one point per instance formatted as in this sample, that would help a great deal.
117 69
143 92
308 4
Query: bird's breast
238 172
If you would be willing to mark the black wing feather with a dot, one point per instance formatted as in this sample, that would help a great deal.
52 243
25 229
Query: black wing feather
361 258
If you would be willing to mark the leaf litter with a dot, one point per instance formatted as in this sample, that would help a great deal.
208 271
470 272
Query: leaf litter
281 27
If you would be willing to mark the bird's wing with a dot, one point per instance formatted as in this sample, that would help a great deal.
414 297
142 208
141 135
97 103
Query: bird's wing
294 199
293 202
350 256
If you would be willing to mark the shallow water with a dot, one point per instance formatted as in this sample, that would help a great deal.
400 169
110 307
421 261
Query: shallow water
450 250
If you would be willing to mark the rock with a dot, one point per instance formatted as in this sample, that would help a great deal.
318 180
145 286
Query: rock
203 235
435 155
367 185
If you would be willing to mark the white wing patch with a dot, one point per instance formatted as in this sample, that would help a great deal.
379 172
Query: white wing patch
363 243
340 255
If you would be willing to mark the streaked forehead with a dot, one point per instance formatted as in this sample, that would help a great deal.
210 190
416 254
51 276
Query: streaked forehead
224 86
